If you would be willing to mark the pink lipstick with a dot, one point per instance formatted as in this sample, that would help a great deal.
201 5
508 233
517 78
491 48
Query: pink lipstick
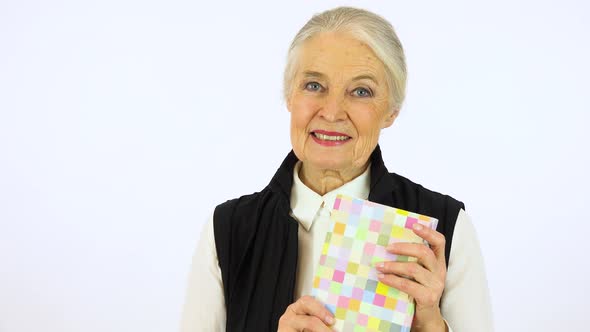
329 138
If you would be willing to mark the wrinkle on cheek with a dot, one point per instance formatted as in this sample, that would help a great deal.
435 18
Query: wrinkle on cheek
366 144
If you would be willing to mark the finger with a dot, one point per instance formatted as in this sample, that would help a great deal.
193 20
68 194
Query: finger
307 305
308 323
422 295
435 239
421 252
412 270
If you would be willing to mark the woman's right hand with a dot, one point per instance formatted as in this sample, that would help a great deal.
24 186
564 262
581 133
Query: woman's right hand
307 314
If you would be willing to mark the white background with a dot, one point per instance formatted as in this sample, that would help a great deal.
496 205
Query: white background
123 123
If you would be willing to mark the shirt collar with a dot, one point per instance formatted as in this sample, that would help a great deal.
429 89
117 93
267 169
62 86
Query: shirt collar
305 203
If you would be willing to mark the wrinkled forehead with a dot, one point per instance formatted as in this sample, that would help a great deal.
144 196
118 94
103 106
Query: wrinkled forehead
338 55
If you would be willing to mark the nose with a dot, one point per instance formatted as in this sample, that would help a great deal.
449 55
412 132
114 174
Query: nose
333 109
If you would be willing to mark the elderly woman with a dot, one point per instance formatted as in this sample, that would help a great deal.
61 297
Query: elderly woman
344 82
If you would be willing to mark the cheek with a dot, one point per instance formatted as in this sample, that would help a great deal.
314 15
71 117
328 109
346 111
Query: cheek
302 112
367 123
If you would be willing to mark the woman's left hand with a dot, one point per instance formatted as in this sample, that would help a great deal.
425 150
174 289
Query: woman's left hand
428 275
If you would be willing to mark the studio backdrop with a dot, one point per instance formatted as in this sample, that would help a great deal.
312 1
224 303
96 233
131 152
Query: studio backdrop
124 123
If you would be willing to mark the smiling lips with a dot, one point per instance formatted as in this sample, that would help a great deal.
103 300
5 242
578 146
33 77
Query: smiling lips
329 138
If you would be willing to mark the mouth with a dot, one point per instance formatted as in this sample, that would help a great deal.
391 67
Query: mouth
329 138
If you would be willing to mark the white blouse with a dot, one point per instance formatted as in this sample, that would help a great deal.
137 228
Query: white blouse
465 303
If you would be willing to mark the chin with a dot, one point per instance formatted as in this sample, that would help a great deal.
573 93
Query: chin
326 161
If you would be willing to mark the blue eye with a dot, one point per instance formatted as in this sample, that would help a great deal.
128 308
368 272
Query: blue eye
313 86
362 92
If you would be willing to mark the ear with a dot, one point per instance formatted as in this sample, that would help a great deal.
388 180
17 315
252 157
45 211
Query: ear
390 118
288 100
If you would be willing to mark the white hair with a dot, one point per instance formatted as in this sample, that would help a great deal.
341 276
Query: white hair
369 28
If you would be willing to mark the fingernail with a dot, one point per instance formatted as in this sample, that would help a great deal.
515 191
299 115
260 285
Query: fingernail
391 246
329 320
380 265
417 227
380 275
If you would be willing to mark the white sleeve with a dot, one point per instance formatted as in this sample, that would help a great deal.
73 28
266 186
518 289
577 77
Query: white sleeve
465 302
204 307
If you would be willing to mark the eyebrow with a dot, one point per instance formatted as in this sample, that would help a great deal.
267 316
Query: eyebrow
310 73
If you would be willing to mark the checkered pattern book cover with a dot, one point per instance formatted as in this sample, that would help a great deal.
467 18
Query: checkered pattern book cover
346 281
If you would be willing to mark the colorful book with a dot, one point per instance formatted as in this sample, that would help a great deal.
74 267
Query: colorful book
346 280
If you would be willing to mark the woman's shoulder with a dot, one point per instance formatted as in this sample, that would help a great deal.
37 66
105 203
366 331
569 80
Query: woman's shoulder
409 188
247 201
245 209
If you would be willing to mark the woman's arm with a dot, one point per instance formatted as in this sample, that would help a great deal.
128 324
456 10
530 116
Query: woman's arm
204 308
465 303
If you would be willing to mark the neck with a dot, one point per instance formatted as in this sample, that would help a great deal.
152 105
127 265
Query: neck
323 181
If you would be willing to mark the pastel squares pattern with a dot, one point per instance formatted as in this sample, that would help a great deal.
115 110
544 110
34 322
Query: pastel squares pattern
346 279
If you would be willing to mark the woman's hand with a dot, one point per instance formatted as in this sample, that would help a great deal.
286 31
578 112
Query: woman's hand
307 314
428 275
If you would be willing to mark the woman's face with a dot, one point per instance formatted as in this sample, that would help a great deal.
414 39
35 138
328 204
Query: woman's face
338 103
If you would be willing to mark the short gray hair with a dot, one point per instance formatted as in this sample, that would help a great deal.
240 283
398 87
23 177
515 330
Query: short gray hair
368 28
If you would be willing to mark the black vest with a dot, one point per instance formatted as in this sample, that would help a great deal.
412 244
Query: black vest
257 241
